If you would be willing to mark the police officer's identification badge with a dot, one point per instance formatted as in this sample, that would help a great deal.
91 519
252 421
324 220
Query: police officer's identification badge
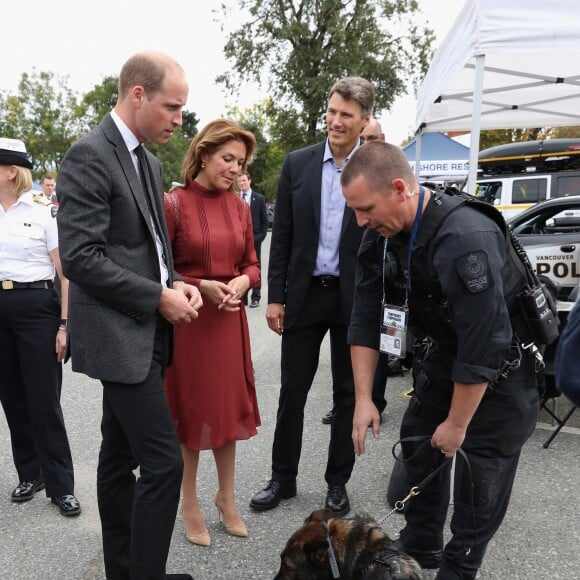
473 269
394 330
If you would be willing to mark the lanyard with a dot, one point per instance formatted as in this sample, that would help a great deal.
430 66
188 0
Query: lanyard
412 240
386 241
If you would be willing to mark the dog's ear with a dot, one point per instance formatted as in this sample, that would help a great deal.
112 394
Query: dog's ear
319 516
317 553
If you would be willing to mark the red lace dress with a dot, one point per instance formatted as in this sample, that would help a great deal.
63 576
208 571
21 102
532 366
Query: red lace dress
210 384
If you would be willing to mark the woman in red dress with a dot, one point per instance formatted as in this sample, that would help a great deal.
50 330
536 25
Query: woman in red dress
210 385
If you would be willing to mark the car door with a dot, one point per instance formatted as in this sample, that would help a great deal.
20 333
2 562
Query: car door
550 234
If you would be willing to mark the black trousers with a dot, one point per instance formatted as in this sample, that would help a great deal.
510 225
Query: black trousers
30 388
299 363
138 514
503 422
257 291
379 384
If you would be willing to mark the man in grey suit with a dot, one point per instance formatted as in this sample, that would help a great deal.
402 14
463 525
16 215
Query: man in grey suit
315 240
124 297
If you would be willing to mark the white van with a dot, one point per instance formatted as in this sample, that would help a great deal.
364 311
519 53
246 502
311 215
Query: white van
515 176
511 194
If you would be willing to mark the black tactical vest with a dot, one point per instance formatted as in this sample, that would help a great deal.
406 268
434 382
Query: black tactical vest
427 303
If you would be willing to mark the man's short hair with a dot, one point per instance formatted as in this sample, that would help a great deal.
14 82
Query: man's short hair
147 69
379 163
355 89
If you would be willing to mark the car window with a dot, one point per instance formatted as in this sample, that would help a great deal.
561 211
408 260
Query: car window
567 185
529 190
490 191
552 220
567 221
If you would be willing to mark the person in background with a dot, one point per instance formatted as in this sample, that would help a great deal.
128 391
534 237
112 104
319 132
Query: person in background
124 298
257 203
372 132
468 396
311 271
33 334
48 185
213 396
567 362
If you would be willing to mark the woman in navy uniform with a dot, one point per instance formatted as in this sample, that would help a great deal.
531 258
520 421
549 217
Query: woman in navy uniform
33 335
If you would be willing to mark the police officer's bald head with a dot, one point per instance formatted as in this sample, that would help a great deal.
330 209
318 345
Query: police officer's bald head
379 163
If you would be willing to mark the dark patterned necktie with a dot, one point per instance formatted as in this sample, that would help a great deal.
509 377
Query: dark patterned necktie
146 182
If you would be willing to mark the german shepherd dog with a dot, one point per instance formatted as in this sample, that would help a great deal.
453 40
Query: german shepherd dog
328 548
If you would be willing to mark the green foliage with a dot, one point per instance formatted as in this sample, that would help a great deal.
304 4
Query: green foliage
99 101
49 118
44 115
172 153
300 48
491 138
277 132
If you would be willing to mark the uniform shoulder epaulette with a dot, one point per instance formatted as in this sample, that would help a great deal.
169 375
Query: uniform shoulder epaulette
41 198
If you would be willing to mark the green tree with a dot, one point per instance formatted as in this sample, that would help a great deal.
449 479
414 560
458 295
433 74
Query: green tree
172 153
300 48
99 101
277 132
49 117
43 113
491 138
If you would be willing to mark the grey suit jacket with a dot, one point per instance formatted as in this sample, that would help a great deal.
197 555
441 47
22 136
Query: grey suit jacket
295 236
108 253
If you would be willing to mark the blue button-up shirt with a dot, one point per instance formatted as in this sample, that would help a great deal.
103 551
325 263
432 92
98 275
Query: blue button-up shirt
331 214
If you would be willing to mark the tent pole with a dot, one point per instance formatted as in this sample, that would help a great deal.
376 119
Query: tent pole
418 153
475 123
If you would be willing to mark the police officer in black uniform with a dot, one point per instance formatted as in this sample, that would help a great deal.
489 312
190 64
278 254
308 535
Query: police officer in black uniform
453 275
33 331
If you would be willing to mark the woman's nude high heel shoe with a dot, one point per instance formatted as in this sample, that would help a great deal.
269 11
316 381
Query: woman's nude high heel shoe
239 530
201 539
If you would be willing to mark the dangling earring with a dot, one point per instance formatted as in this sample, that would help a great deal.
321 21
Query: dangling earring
203 164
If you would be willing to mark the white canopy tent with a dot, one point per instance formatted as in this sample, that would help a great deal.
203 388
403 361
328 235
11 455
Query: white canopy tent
505 64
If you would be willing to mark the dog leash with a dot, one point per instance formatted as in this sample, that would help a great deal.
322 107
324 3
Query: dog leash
417 489
332 558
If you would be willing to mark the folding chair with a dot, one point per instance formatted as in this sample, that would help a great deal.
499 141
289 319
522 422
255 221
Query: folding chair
561 421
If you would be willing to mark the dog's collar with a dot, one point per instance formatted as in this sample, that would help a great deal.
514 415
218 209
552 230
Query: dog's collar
389 558
332 558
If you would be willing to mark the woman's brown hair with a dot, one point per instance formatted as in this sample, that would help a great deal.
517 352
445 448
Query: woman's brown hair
213 136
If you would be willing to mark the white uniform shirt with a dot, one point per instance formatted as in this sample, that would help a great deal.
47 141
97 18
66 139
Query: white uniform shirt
28 232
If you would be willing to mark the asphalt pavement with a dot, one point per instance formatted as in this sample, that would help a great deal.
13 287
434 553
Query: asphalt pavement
539 538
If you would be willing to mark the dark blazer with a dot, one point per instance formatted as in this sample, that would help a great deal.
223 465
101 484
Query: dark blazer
295 236
107 249
259 216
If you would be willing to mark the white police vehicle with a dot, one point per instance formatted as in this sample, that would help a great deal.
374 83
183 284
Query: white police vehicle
550 234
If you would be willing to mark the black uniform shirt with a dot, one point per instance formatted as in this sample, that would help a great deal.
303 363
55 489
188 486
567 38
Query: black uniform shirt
461 267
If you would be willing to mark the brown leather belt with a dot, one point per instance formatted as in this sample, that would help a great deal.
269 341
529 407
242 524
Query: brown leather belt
11 285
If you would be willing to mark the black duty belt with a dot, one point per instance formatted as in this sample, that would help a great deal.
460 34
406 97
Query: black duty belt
11 285
325 281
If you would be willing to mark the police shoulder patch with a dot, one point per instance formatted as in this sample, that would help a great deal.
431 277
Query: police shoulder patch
473 269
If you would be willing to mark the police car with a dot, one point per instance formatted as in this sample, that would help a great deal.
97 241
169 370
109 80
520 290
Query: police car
550 234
